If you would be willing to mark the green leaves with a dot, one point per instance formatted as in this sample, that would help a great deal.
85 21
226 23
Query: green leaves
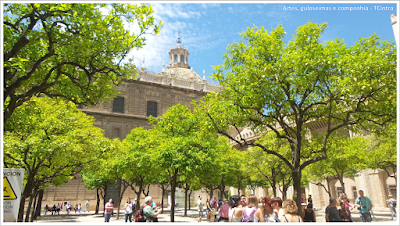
72 51
51 140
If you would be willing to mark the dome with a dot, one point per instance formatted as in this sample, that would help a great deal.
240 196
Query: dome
182 73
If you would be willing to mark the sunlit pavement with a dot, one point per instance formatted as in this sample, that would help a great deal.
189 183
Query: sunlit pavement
192 217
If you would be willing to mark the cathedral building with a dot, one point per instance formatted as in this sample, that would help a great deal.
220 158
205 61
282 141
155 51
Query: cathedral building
139 97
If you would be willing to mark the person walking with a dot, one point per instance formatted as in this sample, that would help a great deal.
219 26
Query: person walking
392 204
128 210
309 200
308 214
331 211
149 214
79 208
47 209
108 208
251 213
87 206
200 208
290 208
235 213
364 204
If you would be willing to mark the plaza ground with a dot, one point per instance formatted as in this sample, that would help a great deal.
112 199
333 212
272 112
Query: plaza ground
192 217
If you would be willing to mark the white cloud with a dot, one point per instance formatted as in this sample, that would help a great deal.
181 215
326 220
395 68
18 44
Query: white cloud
157 47
230 9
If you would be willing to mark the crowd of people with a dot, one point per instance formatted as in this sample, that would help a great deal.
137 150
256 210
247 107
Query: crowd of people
249 209
253 209
67 206
266 209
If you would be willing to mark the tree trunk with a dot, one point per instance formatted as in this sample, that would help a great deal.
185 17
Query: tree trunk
138 197
342 184
21 209
28 211
162 199
97 202
120 197
104 197
190 193
328 181
39 205
26 194
33 207
173 188
284 192
186 194
296 175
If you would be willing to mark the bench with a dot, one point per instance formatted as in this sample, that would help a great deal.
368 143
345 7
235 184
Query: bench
57 210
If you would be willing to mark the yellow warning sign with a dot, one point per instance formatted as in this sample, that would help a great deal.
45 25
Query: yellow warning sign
8 191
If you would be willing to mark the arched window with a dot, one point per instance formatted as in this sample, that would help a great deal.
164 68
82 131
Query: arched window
182 59
176 59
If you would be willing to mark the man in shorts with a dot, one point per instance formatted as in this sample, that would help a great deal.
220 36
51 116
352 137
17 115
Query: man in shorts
200 208
364 204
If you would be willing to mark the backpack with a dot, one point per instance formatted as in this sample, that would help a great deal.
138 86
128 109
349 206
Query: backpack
246 218
394 204
140 215
211 203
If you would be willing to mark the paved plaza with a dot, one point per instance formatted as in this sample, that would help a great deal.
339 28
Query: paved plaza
192 217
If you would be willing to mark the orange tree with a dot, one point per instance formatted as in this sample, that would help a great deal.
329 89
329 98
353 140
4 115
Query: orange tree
284 87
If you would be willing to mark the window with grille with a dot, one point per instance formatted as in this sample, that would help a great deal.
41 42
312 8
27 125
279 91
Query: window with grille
118 105
182 59
152 108
176 58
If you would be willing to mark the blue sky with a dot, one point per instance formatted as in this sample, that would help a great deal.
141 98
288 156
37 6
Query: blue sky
207 28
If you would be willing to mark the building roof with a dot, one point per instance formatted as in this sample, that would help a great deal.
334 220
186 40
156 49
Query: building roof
182 73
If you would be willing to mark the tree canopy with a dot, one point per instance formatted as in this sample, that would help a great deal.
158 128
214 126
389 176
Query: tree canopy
51 140
292 88
74 51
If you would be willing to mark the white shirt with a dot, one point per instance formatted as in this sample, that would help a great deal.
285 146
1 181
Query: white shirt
232 217
128 208
281 213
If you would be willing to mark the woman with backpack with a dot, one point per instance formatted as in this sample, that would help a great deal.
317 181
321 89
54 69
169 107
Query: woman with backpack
251 213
